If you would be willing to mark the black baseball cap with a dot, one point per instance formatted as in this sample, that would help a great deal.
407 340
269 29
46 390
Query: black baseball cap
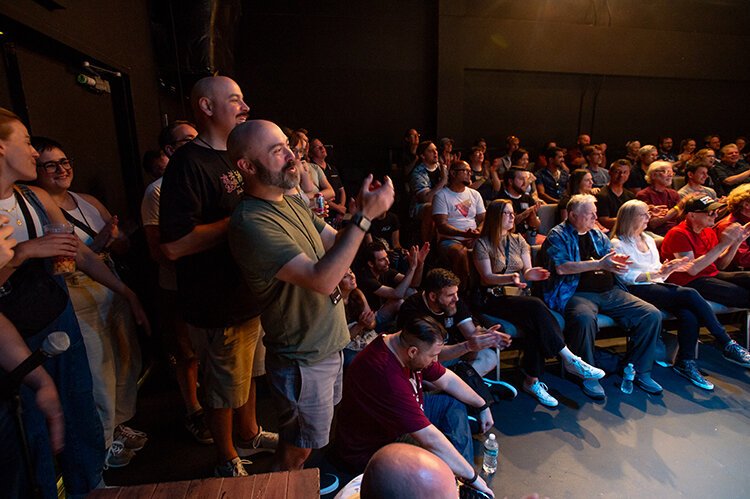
702 204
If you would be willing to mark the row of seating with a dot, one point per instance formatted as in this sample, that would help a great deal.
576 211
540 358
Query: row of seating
727 315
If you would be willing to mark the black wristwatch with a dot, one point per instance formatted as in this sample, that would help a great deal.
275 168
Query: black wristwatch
361 221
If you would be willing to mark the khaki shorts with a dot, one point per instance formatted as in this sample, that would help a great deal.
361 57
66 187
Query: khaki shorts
229 357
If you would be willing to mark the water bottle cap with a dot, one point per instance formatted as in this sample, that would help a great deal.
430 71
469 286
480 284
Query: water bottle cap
492 436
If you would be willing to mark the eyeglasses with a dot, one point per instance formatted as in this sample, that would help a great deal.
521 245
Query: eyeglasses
456 170
66 164
509 213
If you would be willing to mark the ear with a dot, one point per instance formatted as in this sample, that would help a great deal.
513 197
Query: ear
169 150
432 296
244 165
412 352
205 105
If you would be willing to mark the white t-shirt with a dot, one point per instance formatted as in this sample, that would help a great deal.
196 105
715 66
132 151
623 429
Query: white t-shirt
462 208
150 216
642 262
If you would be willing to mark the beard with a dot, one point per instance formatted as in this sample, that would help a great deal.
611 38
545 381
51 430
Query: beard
284 179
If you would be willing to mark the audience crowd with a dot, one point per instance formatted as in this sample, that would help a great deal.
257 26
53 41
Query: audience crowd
392 304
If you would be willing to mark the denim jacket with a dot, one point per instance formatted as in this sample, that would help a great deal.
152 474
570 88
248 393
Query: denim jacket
561 246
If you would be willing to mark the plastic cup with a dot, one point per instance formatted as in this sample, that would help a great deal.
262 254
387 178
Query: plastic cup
61 265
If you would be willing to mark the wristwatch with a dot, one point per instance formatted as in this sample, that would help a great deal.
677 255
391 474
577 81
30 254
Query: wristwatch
361 221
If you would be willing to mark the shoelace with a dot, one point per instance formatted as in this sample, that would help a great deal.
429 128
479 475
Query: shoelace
130 432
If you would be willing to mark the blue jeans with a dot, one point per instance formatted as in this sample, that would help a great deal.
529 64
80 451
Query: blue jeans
82 459
642 320
450 417
690 309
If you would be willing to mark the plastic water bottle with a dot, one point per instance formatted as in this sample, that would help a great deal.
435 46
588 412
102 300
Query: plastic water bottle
627 379
489 463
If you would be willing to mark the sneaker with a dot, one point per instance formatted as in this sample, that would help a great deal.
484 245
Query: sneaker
539 390
118 455
733 352
264 441
235 467
592 388
500 389
689 370
132 439
646 383
195 423
578 367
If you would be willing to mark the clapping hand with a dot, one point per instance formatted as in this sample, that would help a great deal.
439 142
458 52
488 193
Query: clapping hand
536 274
669 266
614 262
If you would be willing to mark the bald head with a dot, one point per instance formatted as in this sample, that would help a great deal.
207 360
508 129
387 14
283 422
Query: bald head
247 139
401 471
218 104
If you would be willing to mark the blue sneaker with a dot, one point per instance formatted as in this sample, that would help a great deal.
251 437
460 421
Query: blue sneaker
689 369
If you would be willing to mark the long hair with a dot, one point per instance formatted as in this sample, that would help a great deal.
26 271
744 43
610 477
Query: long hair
493 221
6 118
627 219
574 183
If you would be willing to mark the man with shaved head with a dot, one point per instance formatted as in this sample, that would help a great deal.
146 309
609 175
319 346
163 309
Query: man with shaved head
292 261
199 193
403 471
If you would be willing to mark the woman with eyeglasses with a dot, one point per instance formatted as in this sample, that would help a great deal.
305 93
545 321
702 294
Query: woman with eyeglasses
28 278
105 317
646 278
503 261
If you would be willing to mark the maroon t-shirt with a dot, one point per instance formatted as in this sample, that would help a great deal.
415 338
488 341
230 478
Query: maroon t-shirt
382 400
667 197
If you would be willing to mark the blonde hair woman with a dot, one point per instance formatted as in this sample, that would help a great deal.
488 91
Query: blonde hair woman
646 278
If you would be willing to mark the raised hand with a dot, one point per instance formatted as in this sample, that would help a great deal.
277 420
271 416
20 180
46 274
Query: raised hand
376 202
423 252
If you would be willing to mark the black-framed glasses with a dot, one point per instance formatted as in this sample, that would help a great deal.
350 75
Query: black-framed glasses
66 164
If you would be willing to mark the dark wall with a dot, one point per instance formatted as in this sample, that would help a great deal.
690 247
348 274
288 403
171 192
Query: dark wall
617 69
115 34
357 74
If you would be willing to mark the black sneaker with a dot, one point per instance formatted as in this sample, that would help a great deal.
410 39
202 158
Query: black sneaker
500 390
733 352
689 370
195 423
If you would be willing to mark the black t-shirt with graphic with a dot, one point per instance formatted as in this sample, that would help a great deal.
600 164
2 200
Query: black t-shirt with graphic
200 187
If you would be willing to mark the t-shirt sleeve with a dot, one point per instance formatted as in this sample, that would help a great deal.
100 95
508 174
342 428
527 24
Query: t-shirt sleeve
419 181
440 203
248 233
675 242
150 206
433 372
462 313
181 200
478 202
481 250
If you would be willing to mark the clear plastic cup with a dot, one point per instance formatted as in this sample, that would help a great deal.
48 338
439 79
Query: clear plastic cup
61 265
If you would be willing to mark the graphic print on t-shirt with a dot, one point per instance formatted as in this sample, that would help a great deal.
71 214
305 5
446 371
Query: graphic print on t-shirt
463 207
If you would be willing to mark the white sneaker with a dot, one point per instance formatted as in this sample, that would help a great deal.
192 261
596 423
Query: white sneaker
539 390
264 441
578 367
235 467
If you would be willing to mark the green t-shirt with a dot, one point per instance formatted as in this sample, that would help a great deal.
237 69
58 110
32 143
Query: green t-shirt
300 324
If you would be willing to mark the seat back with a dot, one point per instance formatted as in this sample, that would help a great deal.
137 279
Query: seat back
546 214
